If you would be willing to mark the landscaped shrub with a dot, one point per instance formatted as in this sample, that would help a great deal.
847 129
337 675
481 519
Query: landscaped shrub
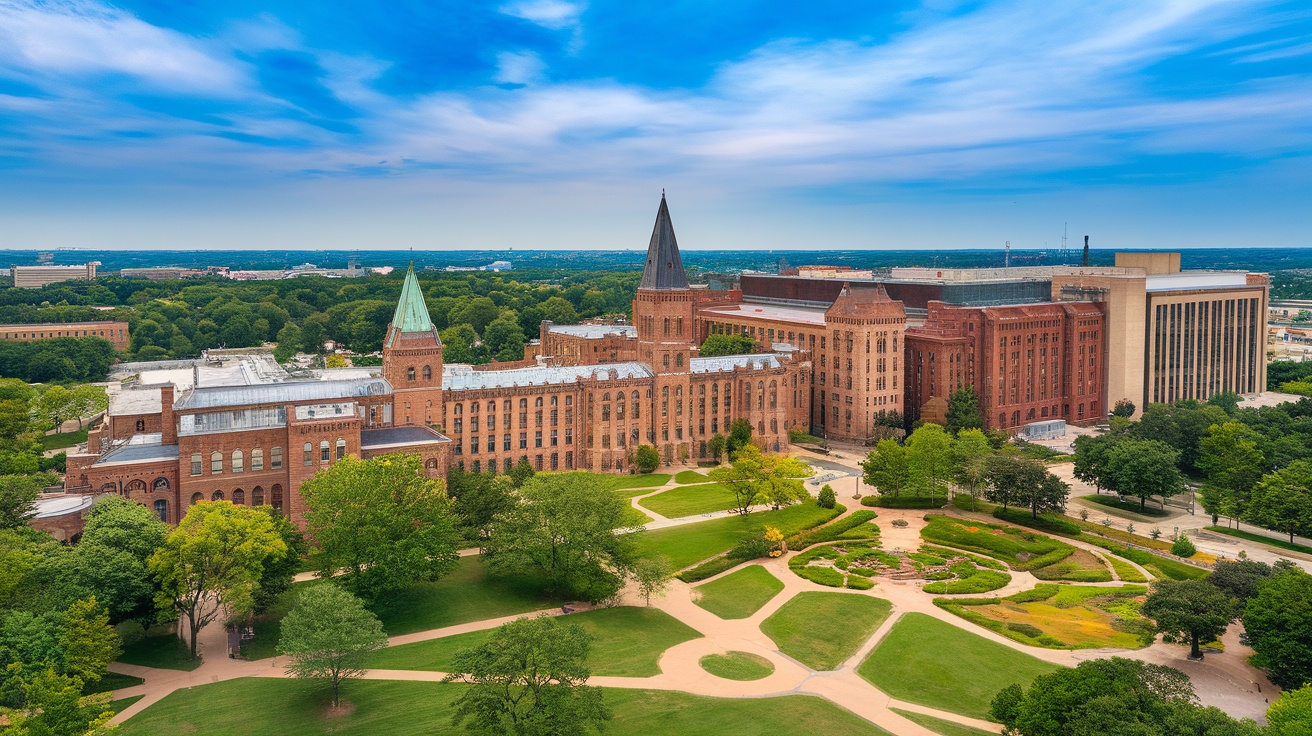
1160 566
1020 550
1045 522
1072 572
831 532
949 553
1183 547
980 581
856 583
870 500
822 575
906 502
709 568
750 549
826 498
1029 630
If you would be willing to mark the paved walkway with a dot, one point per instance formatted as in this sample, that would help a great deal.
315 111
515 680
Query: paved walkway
1224 679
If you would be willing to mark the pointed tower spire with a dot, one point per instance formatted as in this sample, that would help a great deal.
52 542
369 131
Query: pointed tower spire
411 310
664 267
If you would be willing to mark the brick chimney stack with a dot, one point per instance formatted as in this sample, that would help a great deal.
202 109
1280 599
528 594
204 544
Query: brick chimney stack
168 427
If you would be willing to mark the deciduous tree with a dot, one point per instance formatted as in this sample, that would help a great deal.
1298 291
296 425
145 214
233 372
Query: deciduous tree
1291 714
1278 623
963 411
1283 500
888 468
652 575
970 453
1233 462
381 522
929 449
1190 610
717 345
647 458
1013 480
1143 468
329 634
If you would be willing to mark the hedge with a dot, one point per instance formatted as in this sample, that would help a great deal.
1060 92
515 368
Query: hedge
822 575
1045 522
832 532
981 581
904 502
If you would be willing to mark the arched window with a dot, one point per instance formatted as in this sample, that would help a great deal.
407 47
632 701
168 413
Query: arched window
141 425
341 448
410 374
197 497
460 409
276 500
216 462
257 496
309 454
135 485
324 452
162 510
239 497
553 401
160 484
238 461
216 496
523 403
428 372
473 407
537 401
257 460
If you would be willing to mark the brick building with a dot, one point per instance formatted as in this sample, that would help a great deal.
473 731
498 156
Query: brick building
115 332
257 443
1026 362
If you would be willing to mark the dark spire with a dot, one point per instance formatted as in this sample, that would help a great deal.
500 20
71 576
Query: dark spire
664 267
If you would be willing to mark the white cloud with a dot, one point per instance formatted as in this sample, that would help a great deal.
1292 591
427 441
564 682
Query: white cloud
554 14
519 67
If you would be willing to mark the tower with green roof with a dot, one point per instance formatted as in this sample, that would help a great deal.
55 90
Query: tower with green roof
412 358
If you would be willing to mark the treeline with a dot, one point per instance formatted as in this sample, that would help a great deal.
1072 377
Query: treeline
60 359
1254 463
489 315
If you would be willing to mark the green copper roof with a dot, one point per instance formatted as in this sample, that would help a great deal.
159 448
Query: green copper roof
411 311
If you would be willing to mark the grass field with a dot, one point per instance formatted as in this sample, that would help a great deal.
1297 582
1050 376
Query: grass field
469 593
1062 616
112 681
938 725
1125 571
63 439
1082 566
690 500
118 706
1129 507
628 642
1281 543
278 707
738 594
821 630
688 477
930 662
739 666
166 652
691 543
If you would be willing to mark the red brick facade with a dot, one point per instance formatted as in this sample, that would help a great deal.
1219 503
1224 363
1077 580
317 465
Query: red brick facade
115 332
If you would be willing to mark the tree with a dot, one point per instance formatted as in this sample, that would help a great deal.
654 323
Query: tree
15 418
528 680
740 435
382 522
460 345
1190 610
564 529
970 453
1143 468
718 345
1013 480
826 499
505 338
652 574
963 411
716 445
211 561
1049 495
17 498
329 634
477 498
1123 408
1112 696
521 472
559 311
88 400
1283 500
1279 627
888 468
929 450
1233 462
781 484
54 407
1226 401
1239 578
55 706
279 570
88 642
1291 715
647 458
1091 458
1181 425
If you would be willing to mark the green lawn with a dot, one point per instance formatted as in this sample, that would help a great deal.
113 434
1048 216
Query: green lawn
926 661
118 706
1281 543
112 681
737 666
690 500
278 707
739 594
622 482
1129 507
691 543
469 593
628 642
821 630
64 439
938 725
166 652
688 477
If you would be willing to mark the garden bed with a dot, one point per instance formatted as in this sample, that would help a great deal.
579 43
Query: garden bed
1020 549
1062 616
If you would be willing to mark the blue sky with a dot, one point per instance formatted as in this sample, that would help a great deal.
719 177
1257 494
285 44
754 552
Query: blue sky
555 124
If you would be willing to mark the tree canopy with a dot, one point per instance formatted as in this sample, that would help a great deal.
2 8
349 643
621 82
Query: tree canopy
328 635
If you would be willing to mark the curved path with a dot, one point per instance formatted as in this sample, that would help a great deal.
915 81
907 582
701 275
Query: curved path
1225 680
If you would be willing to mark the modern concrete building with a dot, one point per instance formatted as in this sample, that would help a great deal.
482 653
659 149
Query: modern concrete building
34 277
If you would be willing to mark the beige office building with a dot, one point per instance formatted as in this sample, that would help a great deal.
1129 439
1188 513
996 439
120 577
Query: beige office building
34 277
1175 334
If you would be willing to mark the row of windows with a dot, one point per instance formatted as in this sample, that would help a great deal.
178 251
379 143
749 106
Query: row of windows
237 461
238 497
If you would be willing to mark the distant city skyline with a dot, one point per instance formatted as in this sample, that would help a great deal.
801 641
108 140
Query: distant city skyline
547 124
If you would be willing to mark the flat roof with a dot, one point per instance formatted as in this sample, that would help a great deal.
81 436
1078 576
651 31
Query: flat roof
53 506
140 400
273 393
758 361
1198 280
376 439
459 376
772 312
593 332
131 454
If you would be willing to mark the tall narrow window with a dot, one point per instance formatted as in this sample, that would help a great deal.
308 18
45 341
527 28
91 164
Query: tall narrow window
238 461
275 458
324 455
257 460
309 454
216 462
341 448
195 463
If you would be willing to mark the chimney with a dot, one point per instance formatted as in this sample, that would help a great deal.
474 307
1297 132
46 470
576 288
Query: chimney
168 427
1085 263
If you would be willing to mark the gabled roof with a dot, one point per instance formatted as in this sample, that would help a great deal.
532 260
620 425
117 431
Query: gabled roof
664 267
860 302
411 310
